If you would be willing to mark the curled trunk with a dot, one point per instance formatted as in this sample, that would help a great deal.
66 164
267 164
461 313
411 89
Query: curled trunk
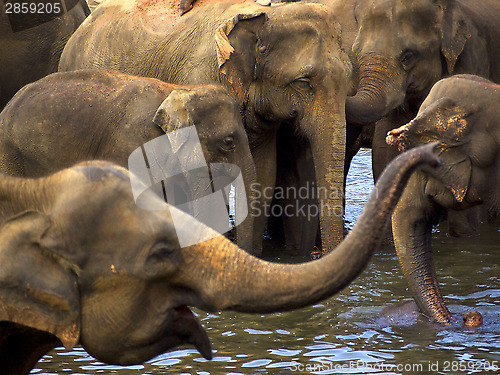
228 278
412 231
380 90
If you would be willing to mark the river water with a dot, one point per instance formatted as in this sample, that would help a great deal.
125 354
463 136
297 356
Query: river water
347 334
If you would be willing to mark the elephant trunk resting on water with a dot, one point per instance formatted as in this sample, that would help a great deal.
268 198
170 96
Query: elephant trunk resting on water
462 114
82 263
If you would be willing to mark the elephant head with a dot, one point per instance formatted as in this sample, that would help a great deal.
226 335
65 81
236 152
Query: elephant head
223 140
461 115
82 263
404 47
287 67
122 113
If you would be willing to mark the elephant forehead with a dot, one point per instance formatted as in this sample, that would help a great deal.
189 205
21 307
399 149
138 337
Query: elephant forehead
297 17
100 189
407 16
212 105
443 115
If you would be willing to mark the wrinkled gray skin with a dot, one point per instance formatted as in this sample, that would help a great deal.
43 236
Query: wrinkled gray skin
82 263
27 55
461 113
284 64
96 114
404 47
300 232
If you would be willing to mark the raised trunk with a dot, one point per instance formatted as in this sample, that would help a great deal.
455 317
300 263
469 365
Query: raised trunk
412 238
379 90
224 277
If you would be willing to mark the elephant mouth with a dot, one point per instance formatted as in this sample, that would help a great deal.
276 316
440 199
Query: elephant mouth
195 334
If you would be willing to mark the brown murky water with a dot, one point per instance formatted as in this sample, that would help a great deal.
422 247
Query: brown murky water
345 334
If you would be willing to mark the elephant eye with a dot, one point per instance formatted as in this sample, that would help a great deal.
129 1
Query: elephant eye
262 48
408 58
227 143
162 249
303 83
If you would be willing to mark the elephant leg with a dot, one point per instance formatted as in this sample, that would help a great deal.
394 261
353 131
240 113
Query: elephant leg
352 146
275 224
466 223
382 153
265 164
356 139
300 211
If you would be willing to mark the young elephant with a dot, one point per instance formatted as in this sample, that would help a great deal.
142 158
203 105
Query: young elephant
70 117
462 114
80 262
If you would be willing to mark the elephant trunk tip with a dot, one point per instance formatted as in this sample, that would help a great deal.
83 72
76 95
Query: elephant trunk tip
397 137
473 319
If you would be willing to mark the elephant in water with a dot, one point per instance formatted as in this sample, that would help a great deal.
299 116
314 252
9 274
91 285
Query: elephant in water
284 63
404 47
462 114
81 263
400 48
31 42
70 117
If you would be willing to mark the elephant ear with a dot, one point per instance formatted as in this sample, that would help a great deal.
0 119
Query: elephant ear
454 32
173 114
38 288
456 173
236 42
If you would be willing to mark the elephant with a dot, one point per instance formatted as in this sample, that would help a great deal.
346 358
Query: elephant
98 114
404 47
81 263
31 44
285 64
461 113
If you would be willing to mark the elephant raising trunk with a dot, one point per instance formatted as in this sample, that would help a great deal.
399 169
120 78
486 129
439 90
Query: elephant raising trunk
295 286
111 276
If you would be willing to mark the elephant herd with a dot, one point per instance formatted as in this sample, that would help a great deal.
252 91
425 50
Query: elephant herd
287 93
